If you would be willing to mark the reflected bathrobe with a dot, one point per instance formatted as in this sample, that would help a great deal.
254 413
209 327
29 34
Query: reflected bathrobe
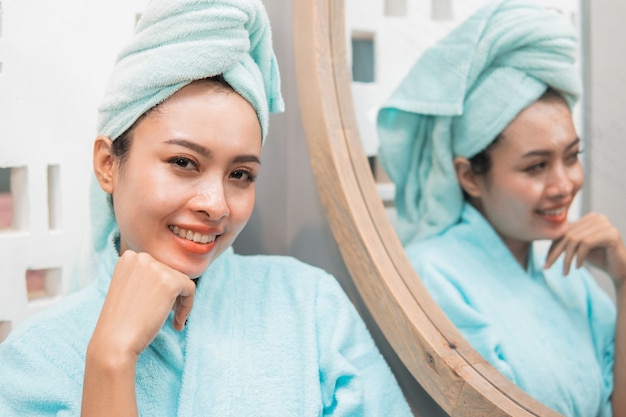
550 334
267 336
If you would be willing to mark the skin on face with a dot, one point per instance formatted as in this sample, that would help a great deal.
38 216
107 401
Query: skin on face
534 176
190 172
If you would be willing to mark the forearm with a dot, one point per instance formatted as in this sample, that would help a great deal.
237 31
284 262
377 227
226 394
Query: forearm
618 399
109 384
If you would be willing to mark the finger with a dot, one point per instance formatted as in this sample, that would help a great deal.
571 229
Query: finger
581 254
556 248
183 305
569 252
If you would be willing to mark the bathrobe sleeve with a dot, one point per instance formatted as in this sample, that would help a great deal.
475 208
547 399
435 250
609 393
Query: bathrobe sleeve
32 383
475 326
602 316
355 379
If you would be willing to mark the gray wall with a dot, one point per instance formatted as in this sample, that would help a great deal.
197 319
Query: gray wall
605 121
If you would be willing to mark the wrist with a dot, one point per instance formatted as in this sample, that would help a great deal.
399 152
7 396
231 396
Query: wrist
110 358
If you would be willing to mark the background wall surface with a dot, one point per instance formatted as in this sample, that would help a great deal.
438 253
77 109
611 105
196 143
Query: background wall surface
55 58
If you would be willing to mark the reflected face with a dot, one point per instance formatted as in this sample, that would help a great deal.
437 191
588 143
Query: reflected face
535 174
187 188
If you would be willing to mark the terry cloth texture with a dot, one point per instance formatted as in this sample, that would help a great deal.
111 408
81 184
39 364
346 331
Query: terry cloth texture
267 336
460 95
177 42
550 334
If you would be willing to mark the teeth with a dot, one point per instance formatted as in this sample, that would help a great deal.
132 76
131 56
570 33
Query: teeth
553 212
189 235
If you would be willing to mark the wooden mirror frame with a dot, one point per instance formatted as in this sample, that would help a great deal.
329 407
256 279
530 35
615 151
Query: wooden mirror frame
427 343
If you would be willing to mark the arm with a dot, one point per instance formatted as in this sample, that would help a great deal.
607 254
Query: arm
618 398
594 239
140 297
354 377
452 294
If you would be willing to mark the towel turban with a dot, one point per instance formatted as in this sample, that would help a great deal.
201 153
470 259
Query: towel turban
460 95
177 42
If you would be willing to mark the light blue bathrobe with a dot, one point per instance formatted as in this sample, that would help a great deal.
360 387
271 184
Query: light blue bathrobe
551 335
267 336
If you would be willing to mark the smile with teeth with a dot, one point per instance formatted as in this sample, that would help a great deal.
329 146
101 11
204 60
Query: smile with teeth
553 212
193 236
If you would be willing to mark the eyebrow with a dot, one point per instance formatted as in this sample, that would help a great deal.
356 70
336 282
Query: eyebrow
547 152
206 153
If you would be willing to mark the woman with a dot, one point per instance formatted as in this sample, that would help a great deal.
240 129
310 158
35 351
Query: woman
175 322
480 142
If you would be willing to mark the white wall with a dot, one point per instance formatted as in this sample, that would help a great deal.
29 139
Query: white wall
55 60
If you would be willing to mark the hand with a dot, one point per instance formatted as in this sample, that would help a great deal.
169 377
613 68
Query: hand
594 239
140 297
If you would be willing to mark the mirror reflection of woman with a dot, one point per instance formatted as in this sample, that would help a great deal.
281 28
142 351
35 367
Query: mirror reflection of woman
480 141
175 323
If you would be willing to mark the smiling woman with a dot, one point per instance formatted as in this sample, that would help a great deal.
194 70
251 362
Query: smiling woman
525 181
187 189
180 134
485 161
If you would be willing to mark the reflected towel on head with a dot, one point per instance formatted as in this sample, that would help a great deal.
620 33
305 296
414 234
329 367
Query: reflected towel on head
177 42
460 95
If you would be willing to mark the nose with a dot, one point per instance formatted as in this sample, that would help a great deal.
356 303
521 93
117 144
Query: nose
562 182
210 200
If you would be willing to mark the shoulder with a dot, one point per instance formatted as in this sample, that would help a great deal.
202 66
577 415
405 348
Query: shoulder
446 252
60 327
273 275
276 263
45 355
276 267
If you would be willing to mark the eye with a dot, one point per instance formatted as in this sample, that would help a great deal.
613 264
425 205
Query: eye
536 168
243 175
183 163
574 156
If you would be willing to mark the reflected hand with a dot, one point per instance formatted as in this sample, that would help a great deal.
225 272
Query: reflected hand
140 297
594 239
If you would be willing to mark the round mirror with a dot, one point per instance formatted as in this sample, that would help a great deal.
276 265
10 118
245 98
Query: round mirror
427 343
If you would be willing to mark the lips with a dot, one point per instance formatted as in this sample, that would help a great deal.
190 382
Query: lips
554 215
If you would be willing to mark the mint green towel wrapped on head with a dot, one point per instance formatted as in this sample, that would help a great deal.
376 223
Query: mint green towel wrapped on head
460 95
177 42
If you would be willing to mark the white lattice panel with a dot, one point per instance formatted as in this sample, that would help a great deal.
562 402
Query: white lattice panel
55 58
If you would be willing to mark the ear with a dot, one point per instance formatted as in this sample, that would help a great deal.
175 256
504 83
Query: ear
104 163
466 177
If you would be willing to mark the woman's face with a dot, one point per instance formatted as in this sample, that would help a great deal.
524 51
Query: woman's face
187 188
535 174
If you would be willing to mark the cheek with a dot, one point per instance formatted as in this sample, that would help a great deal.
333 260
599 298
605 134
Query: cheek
578 177
241 204
144 196
513 197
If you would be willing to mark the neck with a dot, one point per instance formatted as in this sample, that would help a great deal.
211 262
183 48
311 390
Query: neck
519 250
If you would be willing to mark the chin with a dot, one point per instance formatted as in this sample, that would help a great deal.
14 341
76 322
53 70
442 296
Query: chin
552 234
191 269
